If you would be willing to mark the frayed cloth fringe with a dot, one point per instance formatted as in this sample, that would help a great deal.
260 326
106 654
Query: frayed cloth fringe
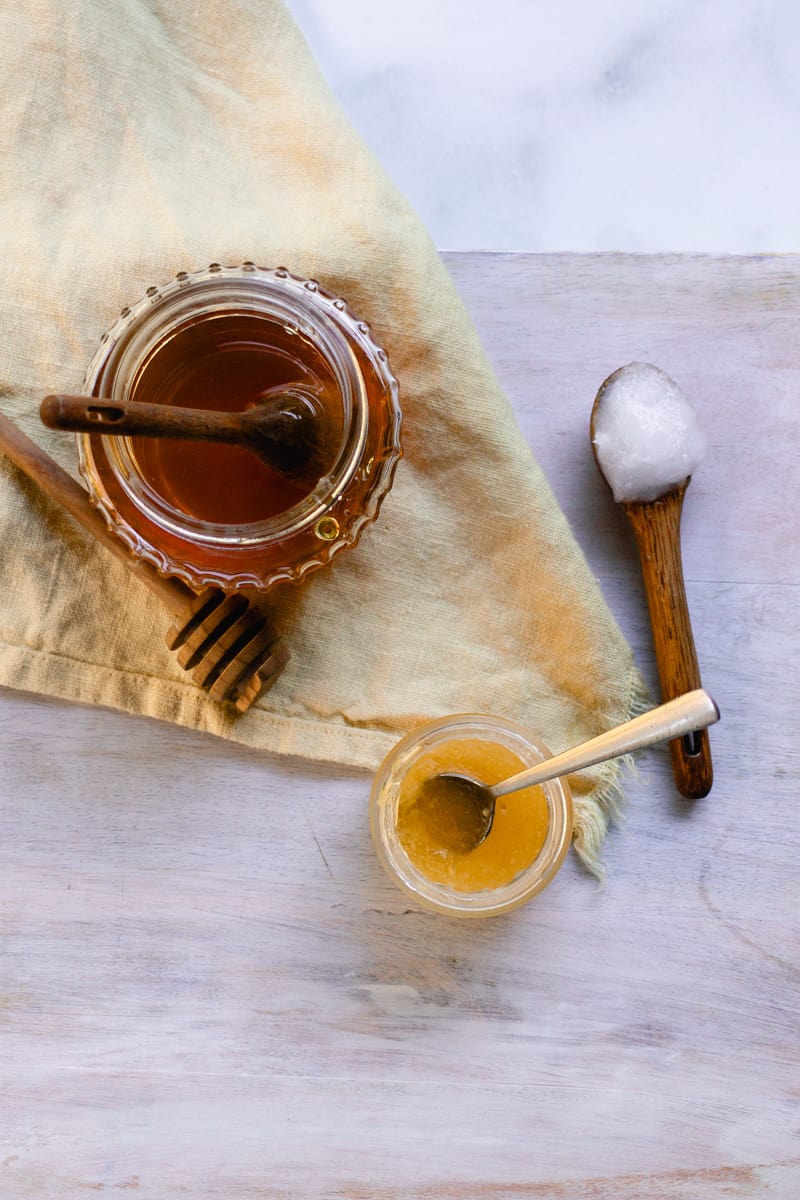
593 814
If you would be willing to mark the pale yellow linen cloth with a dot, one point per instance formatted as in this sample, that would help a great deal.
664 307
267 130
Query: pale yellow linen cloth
146 137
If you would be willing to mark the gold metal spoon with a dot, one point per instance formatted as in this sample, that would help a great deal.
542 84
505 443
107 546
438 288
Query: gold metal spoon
458 811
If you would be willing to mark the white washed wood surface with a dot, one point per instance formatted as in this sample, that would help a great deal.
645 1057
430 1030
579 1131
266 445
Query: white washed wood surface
208 989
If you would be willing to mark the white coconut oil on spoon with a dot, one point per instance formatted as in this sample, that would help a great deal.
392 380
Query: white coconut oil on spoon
646 436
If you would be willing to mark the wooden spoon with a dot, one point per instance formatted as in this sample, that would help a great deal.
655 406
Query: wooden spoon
656 526
285 431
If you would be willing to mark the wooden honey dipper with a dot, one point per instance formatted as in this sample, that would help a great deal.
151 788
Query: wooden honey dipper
287 430
226 643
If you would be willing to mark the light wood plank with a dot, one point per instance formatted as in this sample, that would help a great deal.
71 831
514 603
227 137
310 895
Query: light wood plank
208 988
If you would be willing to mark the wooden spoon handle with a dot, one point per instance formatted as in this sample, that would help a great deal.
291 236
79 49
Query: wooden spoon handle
87 414
656 525
62 488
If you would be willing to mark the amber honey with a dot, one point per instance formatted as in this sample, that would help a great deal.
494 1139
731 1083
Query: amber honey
230 363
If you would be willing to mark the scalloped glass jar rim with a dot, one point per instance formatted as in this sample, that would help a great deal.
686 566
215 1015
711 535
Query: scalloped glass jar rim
244 288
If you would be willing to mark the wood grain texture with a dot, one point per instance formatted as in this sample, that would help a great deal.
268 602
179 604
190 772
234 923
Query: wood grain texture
657 529
207 987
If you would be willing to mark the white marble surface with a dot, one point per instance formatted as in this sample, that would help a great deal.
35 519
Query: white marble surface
584 125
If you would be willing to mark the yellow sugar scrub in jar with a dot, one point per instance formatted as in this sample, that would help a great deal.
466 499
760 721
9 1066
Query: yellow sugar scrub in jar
518 829
419 843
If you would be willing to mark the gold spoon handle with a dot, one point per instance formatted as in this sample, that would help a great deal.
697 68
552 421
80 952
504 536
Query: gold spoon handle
680 716
656 525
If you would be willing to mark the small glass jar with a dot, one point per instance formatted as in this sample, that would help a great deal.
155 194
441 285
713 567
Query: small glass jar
443 736
211 514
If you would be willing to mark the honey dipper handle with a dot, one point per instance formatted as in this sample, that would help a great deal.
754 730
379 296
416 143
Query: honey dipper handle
656 525
88 414
62 488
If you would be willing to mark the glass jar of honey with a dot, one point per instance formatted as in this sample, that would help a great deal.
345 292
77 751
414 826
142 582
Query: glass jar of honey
223 339
528 838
